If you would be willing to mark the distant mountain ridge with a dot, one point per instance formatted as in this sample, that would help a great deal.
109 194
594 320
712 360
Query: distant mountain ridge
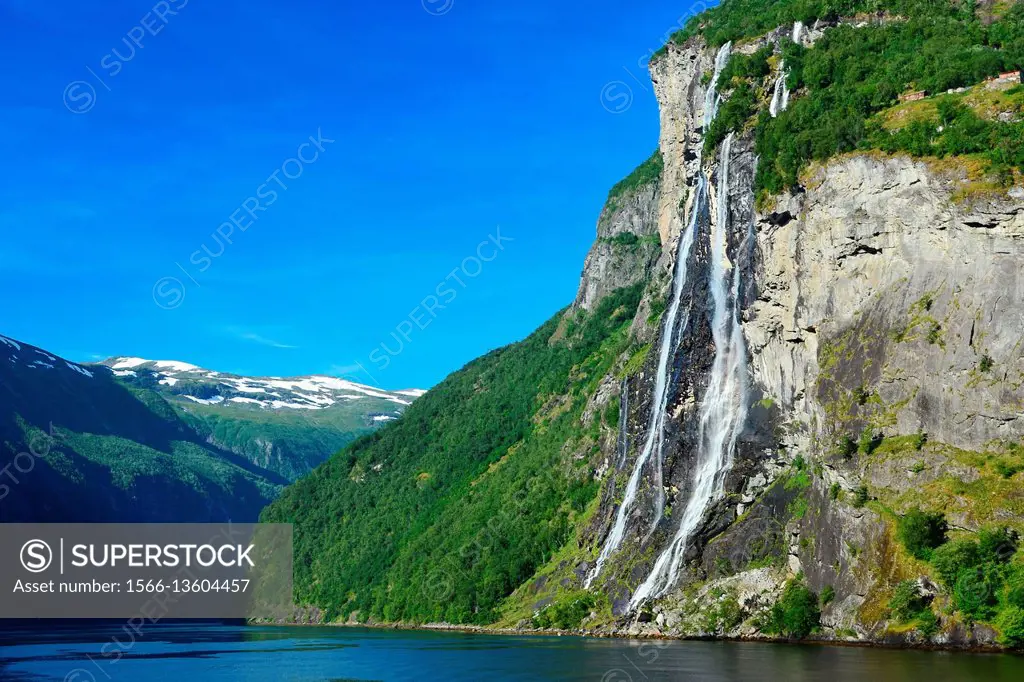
131 439
287 425
207 387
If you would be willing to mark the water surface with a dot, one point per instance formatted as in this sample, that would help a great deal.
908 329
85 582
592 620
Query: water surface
191 653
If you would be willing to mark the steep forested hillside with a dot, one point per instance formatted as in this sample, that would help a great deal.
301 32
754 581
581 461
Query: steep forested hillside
442 514
810 427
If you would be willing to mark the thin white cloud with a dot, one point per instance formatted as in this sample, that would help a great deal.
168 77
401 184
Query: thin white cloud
262 340
254 337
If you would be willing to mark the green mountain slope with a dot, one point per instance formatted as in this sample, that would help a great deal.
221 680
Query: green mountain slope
79 446
826 441
441 514
285 425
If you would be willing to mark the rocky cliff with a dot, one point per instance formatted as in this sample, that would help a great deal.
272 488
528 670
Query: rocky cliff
882 314
787 400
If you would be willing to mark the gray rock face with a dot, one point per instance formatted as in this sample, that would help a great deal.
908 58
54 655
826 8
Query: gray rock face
881 298
878 275
611 265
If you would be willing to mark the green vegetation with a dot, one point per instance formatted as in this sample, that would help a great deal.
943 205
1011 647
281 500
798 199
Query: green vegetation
986 363
646 173
846 446
630 240
1010 624
906 604
743 75
567 612
298 440
869 441
796 614
828 594
981 573
921 532
624 239
851 74
732 115
499 499
89 449
636 361
723 611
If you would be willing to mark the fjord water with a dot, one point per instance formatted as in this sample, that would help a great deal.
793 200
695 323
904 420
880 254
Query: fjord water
266 654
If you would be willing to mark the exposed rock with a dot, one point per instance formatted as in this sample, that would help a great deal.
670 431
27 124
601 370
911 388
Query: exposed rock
611 265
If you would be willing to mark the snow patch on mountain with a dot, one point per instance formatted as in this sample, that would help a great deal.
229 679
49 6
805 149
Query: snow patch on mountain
80 370
194 384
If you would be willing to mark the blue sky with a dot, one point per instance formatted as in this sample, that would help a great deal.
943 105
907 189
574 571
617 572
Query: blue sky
133 131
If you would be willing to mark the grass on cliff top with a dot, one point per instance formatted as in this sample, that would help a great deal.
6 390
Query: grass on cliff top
646 173
851 74
738 19
985 102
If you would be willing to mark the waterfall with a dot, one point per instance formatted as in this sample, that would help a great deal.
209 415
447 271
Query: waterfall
671 331
655 429
780 98
622 445
724 407
711 97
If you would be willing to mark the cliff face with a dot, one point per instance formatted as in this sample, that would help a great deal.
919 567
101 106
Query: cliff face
792 415
626 246
880 312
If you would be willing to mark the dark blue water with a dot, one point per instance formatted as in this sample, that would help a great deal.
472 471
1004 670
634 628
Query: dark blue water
200 654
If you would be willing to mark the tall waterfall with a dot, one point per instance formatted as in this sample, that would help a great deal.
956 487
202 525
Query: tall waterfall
655 441
655 429
711 98
780 97
724 407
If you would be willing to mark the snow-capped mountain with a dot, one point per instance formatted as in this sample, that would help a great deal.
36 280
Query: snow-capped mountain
284 425
207 387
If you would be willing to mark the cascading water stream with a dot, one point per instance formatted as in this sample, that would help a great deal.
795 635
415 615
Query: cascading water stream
654 443
655 429
780 97
724 408
711 98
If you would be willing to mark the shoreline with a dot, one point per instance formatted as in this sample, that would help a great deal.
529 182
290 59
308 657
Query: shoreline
487 630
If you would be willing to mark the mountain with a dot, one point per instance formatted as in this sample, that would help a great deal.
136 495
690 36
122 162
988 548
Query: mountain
80 446
138 440
285 425
788 400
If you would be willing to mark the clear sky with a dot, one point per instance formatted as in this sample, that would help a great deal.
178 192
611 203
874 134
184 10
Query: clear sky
133 130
